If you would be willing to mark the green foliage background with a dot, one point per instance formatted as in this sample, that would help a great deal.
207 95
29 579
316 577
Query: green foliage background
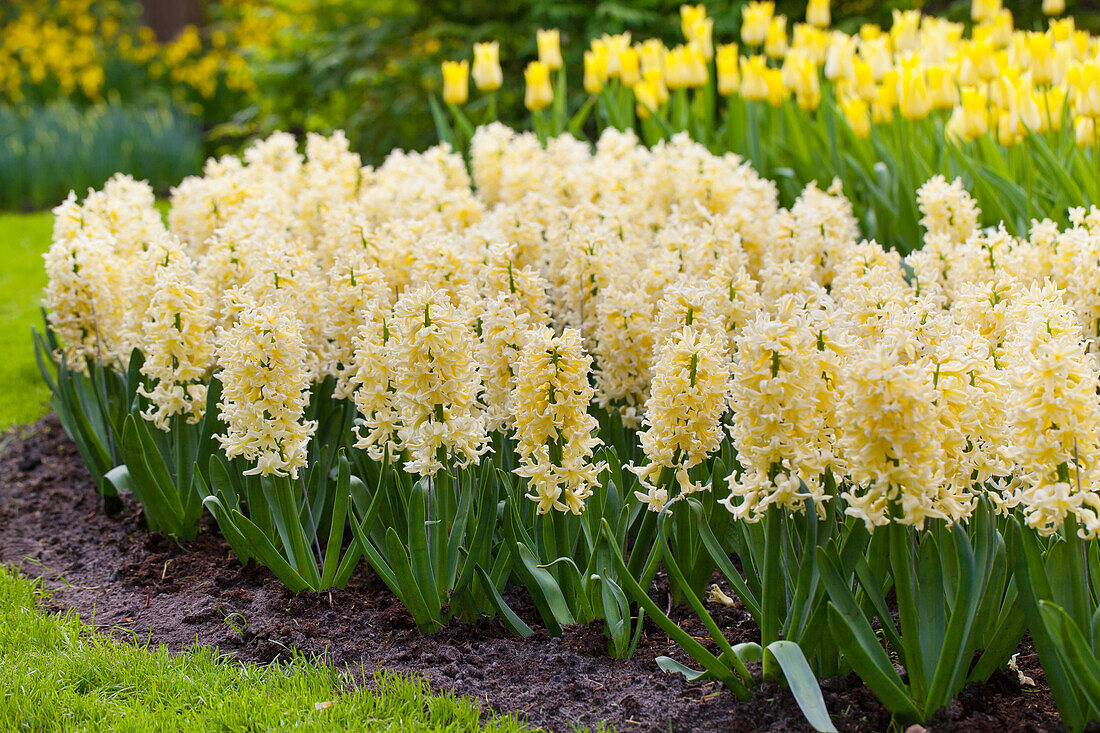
367 66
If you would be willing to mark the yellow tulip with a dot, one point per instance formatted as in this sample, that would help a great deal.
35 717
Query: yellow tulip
799 74
1055 104
651 54
549 47
1063 29
595 69
754 87
456 81
1054 7
1085 132
648 93
539 93
728 66
775 44
913 101
773 78
1039 49
615 46
630 72
486 71
840 58
811 42
905 31
942 92
701 35
676 67
755 20
1088 93
982 11
689 16
975 115
817 13
858 115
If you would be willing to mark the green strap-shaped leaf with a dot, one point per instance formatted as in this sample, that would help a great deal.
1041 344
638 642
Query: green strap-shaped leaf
803 684
259 545
1074 649
514 622
722 561
426 617
668 664
336 525
860 646
544 591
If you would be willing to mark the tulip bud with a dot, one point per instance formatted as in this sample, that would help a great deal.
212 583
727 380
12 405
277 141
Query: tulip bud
775 44
689 16
456 81
1086 132
539 92
1054 7
858 115
817 13
754 87
913 100
595 69
486 72
549 46
729 73
630 72
755 19
1088 93
651 54
982 11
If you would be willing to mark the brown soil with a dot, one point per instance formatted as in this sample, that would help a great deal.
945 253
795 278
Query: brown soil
121 578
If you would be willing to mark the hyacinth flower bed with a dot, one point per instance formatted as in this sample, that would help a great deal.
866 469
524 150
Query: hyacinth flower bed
608 421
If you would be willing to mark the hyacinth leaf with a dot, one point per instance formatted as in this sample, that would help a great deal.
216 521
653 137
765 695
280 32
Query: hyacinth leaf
289 526
457 536
859 644
419 551
336 526
41 356
668 664
259 545
616 613
676 576
1076 651
722 561
804 688
697 651
426 618
931 614
952 655
550 599
514 622
1034 585
222 492
360 527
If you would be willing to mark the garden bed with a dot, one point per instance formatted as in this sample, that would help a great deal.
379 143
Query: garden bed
120 577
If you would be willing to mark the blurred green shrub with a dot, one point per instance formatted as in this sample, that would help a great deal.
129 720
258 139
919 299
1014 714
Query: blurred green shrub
46 151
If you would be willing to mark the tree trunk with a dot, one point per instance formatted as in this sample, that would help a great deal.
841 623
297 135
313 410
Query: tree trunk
168 18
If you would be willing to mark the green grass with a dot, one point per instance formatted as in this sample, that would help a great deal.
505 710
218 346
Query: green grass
56 674
23 240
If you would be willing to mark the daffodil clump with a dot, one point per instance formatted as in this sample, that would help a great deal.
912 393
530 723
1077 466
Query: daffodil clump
83 49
